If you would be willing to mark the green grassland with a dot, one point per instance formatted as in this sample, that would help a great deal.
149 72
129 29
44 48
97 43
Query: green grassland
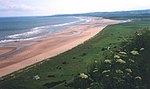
55 72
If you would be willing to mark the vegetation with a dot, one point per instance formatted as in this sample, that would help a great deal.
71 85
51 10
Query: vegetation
133 14
126 68
58 72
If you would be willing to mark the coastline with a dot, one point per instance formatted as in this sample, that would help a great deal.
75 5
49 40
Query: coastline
59 43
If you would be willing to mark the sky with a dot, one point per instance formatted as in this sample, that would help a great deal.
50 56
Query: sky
10 8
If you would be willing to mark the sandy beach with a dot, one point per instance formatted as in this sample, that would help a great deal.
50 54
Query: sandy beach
6 50
32 51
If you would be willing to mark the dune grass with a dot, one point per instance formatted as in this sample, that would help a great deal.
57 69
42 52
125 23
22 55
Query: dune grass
55 72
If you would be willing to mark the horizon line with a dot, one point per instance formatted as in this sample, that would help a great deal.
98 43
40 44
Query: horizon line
69 13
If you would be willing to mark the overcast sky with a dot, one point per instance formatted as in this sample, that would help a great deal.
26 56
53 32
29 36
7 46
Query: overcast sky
51 7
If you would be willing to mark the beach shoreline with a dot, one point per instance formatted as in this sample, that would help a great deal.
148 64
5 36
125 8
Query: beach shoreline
55 44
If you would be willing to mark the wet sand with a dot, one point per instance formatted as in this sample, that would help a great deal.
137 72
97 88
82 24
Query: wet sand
6 50
33 51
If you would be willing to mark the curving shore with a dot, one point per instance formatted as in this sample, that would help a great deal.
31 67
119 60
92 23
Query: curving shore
33 51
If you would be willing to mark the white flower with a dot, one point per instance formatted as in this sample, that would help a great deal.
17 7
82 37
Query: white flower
95 70
128 70
107 75
134 52
12 75
83 75
138 77
36 77
105 71
119 71
1 78
116 56
92 84
141 49
95 61
138 34
107 61
131 60
108 48
123 53
128 73
120 61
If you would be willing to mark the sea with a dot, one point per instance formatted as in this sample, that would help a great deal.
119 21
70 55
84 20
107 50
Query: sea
28 28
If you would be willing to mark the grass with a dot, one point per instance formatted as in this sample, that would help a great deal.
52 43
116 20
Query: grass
128 67
66 66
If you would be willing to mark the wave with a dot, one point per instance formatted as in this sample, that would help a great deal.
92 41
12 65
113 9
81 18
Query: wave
71 23
40 31
33 32
11 40
125 21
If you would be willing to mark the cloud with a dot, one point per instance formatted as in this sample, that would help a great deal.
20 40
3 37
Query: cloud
83 6
49 7
8 5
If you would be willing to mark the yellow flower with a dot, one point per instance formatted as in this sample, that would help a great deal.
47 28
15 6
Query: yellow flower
134 52
82 75
120 61
107 61
116 56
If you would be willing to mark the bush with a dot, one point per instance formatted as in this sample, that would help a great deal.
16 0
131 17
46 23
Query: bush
127 68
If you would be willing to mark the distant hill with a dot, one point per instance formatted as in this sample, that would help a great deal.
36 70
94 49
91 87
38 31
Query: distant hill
117 14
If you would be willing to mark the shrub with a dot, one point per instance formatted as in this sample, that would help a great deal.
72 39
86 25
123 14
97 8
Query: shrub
128 68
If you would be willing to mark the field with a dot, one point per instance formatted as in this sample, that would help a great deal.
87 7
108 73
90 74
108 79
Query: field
55 72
